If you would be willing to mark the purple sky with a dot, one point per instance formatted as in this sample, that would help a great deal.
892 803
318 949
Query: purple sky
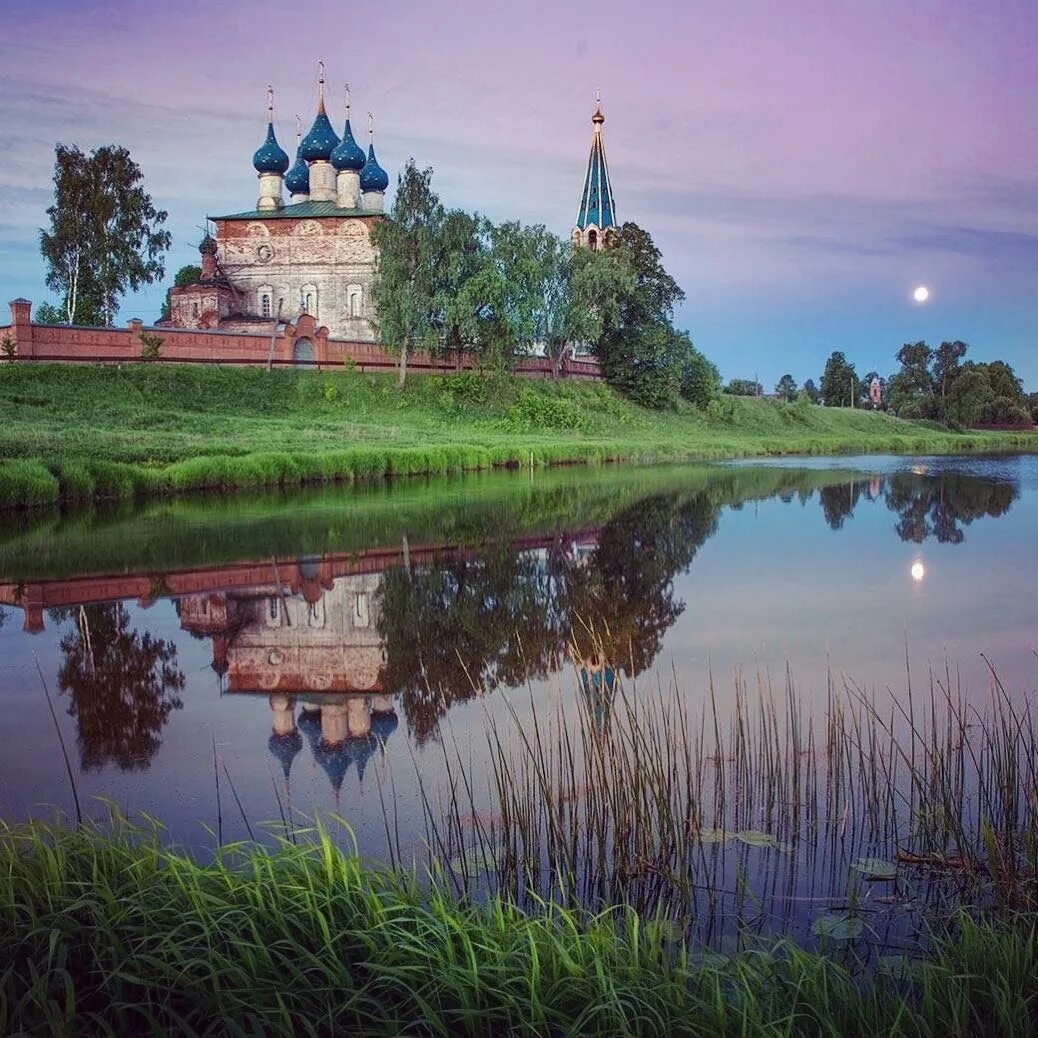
802 166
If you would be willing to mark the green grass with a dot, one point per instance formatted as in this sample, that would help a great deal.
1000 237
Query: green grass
112 933
182 427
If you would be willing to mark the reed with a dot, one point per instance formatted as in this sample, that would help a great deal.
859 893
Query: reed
629 794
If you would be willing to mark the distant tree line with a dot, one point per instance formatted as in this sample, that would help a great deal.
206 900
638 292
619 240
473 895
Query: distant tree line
935 383
448 281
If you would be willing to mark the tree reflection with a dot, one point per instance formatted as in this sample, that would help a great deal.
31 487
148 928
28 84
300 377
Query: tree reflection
501 616
123 685
928 505
935 506
839 502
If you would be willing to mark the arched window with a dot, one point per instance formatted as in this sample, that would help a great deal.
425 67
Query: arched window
592 240
308 300
265 305
266 300
356 300
194 310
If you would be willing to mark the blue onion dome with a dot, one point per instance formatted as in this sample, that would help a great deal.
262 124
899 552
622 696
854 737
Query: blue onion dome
383 725
297 179
349 154
271 157
285 748
373 177
321 141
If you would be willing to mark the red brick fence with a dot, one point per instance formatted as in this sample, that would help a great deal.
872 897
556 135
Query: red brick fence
303 344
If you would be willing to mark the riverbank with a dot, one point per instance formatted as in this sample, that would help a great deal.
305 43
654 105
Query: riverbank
72 434
109 931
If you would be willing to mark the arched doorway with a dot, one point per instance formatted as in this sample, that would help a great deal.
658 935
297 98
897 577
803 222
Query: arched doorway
302 353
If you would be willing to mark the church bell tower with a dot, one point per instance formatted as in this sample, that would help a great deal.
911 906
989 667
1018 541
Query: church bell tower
596 220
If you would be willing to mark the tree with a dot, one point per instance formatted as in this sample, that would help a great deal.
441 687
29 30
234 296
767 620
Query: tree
743 387
839 385
405 285
650 367
969 395
105 235
122 685
812 391
700 379
48 313
580 293
498 302
190 274
946 367
786 388
461 244
640 352
911 387
1004 381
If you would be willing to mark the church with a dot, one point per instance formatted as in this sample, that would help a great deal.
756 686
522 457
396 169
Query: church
313 256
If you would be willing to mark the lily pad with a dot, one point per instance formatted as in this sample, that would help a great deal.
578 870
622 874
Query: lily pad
755 838
838 927
714 836
877 869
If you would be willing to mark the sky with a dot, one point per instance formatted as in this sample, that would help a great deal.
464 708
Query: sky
802 166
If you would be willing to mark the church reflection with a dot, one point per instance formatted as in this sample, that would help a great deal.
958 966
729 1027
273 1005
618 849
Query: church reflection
309 641
337 644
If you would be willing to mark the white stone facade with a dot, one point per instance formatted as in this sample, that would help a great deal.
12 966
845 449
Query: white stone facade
323 266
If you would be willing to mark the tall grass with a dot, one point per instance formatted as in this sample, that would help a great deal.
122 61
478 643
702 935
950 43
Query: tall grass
108 932
632 795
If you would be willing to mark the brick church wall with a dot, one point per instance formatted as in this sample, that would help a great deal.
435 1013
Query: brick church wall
70 344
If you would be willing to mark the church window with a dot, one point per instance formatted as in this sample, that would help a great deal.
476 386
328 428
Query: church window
194 310
361 615
592 239
355 302
308 300
265 304
273 611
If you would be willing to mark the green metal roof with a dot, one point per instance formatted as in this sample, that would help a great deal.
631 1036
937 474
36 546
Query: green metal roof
298 209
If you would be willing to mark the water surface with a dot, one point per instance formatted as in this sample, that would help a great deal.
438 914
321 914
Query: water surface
320 652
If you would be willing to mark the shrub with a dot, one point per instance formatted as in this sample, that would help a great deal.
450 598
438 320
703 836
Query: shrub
25 483
700 380
331 392
467 386
539 409
75 480
150 345
721 409
8 347
114 480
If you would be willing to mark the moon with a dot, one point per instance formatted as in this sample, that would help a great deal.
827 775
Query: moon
918 571
920 293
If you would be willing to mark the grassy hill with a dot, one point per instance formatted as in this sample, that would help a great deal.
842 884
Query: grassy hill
71 432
